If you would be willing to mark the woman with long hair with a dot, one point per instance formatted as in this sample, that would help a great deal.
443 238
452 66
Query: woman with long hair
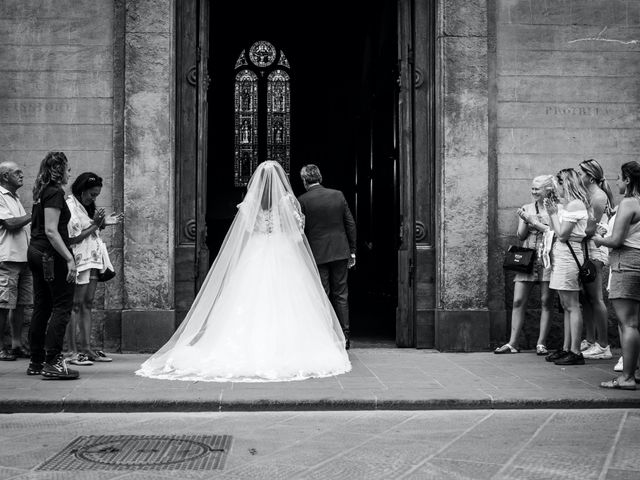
569 225
624 259
54 270
261 314
532 224
596 342
91 257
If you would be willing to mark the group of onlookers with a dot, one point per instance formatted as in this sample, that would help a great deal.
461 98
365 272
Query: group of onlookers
54 263
573 218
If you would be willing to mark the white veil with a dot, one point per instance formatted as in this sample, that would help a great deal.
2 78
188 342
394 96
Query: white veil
269 209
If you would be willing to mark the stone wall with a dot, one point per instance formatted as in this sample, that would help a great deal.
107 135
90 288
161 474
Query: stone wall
463 320
56 93
568 88
148 318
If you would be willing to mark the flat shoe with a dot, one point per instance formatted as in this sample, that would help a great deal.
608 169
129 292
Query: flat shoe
506 348
615 384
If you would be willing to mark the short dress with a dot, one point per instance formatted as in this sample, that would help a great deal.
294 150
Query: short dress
535 240
564 270
600 254
625 267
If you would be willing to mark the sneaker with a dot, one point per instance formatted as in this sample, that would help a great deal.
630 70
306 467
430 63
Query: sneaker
34 368
21 352
619 365
57 370
6 355
571 359
80 359
97 356
584 345
596 352
541 350
558 354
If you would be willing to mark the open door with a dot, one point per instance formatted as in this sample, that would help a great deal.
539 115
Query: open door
415 318
202 251
405 312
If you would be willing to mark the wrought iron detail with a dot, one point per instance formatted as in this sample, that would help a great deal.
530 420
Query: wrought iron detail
421 231
192 75
418 78
190 229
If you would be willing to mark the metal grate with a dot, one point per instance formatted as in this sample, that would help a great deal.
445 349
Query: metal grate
142 452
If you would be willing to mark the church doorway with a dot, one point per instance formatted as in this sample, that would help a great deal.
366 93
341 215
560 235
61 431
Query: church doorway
341 66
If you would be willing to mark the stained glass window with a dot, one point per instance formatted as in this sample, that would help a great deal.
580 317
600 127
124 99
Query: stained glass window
246 128
262 82
278 122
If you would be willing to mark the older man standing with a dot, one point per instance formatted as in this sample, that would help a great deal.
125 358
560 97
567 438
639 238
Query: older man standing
15 277
331 232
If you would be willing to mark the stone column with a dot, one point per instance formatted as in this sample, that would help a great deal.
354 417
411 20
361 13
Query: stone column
462 319
148 315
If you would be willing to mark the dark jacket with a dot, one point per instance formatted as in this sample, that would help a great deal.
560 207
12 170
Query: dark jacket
329 227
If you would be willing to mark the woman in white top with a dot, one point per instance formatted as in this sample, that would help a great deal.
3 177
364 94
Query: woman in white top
532 225
624 259
596 342
91 257
569 225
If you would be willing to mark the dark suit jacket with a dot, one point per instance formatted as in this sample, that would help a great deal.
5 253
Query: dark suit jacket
329 227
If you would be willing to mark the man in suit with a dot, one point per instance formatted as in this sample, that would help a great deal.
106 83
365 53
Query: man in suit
331 232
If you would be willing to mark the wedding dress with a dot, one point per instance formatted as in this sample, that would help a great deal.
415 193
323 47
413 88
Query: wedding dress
261 314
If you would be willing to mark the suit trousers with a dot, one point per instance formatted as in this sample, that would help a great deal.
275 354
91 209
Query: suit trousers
52 304
334 280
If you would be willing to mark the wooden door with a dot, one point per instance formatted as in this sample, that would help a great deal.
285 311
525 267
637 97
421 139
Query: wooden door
202 251
415 319
405 312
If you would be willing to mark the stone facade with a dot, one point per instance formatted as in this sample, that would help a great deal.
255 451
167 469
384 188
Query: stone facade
522 88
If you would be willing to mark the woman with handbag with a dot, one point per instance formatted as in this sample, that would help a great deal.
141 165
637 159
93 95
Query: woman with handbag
91 259
532 224
624 259
596 342
53 268
569 223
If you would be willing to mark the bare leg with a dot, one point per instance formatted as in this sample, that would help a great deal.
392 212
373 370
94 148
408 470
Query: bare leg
596 310
627 313
85 314
521 291
572 320
546 304
17 321
76 318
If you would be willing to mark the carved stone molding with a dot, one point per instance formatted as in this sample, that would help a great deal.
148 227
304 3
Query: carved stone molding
190 229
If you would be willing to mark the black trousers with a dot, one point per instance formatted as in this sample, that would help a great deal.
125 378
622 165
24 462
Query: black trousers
334 280
52 304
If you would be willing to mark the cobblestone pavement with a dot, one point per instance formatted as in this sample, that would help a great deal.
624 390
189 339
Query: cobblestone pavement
462 444
381 379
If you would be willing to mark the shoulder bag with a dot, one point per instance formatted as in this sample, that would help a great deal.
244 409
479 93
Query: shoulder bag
587 271
520 259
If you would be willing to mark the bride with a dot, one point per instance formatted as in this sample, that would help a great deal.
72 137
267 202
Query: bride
261 314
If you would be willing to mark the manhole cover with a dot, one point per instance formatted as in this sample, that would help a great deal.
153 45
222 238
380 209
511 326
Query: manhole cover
142 452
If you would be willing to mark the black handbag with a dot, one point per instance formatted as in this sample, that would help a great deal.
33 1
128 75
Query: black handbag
587 272
519 259
107 275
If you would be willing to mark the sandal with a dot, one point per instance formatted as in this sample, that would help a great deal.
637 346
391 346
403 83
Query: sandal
541 350
506 348
615 384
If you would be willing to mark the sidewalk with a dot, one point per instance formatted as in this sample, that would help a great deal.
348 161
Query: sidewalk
382 378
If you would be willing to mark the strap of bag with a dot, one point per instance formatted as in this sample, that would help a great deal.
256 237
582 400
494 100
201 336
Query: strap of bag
574 254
